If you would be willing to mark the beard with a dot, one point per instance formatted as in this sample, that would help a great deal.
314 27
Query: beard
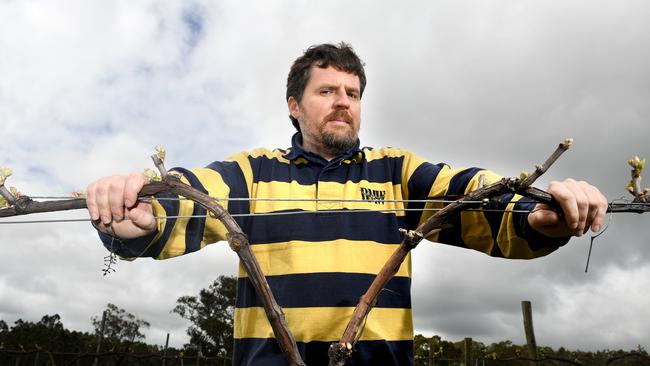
337 143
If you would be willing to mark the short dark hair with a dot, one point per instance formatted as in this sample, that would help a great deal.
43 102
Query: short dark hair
340 56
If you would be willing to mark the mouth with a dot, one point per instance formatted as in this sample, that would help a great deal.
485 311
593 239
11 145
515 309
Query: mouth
339 118
339 122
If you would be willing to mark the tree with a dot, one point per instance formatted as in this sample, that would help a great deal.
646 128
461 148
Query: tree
121 326
211 314
48 332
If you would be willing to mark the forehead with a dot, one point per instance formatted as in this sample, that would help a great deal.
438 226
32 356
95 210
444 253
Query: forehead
333 77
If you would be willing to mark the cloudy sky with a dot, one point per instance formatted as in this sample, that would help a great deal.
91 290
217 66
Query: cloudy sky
88 88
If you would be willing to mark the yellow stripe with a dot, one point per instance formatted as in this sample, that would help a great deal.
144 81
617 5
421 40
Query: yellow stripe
327 256
326 323
216 187
383 152
475 228
275 154
326 191
438 189
409 166
175 245
282 190
244 164
214 229
352 191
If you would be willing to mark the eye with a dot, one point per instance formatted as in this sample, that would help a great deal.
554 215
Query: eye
326 91
353 95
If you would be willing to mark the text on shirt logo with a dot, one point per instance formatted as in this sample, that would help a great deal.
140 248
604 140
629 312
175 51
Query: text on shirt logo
373 195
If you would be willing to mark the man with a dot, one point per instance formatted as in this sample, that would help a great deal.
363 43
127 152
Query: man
320 260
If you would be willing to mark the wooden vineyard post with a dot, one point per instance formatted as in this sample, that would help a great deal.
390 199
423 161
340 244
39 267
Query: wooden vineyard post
468 351
164 361
527 311
100 339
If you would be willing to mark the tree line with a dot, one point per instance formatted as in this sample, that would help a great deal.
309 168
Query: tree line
211 314
434 350
211 317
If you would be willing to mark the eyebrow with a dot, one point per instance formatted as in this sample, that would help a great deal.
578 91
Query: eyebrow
335 86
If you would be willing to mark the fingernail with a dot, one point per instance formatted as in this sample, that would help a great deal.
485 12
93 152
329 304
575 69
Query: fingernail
128 203
117 218
596 228
106 220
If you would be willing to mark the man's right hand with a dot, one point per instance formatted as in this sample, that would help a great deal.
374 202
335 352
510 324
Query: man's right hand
115 209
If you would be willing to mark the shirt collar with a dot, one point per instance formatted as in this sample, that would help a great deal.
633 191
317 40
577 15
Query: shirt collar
296 151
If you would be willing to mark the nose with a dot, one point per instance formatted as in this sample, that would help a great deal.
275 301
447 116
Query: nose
342 100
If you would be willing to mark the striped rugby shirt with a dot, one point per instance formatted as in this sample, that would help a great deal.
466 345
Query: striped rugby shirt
319 264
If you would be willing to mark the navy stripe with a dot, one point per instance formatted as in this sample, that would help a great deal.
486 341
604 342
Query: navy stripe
386 169
234 178
171 208
536 240
419 186
325 290
265 352
195 225
457 185
366 225
495 218
138 247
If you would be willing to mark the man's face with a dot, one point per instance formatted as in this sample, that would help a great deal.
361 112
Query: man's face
329 113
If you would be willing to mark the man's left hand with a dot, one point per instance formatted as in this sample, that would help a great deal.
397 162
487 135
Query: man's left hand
583 205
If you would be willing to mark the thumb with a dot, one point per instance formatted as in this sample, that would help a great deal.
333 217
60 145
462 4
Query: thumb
542 217
142 217
547 222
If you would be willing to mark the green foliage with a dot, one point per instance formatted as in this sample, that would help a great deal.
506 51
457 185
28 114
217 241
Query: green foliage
507 353
47 334
212 316
121 326
4 173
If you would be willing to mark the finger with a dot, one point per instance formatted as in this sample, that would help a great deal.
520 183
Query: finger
582 202
105 228
101 199
597 208
567 201
91 203
132 187
116 198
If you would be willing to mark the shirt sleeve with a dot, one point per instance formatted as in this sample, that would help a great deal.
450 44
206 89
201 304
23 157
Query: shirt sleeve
182 225
501 231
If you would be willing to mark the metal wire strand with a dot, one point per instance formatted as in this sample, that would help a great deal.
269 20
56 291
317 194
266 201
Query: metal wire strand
280 213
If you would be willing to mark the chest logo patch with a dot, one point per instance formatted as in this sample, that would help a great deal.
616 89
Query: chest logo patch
373 195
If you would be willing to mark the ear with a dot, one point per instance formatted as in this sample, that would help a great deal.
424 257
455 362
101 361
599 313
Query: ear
294 107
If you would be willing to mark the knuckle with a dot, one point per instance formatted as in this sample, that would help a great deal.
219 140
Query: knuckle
583 205
100 188
553 184
135 177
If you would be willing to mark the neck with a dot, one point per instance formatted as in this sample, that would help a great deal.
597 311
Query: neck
320 150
